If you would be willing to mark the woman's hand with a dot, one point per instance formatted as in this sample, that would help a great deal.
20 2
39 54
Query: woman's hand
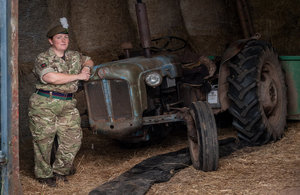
86 69
84 74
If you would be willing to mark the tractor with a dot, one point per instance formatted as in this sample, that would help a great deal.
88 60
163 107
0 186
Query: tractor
146 94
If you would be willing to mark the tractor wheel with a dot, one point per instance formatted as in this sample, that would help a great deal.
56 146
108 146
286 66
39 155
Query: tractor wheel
202 137
257 92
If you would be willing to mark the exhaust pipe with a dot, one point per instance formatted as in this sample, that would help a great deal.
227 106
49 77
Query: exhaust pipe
245 19
143 26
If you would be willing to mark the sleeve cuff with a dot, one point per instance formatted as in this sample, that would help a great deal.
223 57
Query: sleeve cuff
45 71
87 58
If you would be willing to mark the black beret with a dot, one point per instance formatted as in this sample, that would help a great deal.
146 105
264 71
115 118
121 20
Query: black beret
57 30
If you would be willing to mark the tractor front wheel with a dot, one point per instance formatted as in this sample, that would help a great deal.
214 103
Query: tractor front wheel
202 137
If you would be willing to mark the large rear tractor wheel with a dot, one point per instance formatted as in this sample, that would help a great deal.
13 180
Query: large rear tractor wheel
257 92
202 137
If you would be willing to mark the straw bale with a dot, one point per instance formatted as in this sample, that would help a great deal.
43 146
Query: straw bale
100 27
164 18
279 22
211 24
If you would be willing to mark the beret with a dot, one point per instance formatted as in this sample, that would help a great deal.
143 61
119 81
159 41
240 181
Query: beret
57 30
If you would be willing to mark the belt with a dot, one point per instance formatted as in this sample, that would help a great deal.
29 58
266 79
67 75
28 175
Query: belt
56 95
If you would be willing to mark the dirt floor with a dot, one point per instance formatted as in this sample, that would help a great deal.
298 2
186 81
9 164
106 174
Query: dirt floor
270 169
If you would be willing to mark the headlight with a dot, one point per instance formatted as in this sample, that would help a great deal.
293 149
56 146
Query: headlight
153 79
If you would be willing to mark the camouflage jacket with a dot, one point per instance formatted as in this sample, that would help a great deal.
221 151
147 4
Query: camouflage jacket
48 62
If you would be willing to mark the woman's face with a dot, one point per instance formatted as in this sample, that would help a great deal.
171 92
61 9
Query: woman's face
60 42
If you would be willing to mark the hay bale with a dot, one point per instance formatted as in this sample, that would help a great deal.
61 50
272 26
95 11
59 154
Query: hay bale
100 27
164 18
209 24
32 29
279 23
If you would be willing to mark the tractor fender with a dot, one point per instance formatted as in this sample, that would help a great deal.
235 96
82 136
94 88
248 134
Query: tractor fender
229 53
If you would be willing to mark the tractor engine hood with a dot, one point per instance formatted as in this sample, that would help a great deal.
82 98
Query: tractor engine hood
132 68
120 88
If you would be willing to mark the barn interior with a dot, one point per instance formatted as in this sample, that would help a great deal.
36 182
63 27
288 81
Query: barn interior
98 29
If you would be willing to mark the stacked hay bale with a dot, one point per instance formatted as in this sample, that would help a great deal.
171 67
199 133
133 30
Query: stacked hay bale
279 23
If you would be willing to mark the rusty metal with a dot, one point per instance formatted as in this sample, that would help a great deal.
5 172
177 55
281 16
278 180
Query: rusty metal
110 100
245 19
120 99
127 53
126 46
211 66
190 93
143 25
248 17
190 124
116 93
270 99
192 132
96 98
242 18
167 118
9 97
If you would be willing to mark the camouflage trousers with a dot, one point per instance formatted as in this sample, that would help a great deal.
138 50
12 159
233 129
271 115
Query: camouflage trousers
48 118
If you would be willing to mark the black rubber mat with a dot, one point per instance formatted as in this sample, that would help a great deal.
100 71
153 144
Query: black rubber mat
157 169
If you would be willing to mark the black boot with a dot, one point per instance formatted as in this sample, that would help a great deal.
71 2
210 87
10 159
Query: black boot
61 177
72 171
51 182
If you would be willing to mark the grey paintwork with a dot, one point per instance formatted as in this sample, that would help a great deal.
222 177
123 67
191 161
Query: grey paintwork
133 71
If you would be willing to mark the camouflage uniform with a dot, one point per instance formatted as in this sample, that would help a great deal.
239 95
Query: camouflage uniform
49 116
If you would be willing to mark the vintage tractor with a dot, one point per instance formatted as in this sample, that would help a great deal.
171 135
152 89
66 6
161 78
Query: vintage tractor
136 98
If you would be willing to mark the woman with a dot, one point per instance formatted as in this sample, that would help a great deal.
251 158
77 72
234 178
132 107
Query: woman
52 108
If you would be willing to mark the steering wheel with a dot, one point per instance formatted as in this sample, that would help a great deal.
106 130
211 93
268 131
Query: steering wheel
168 43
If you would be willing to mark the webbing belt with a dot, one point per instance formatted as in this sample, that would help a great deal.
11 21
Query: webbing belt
56 95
